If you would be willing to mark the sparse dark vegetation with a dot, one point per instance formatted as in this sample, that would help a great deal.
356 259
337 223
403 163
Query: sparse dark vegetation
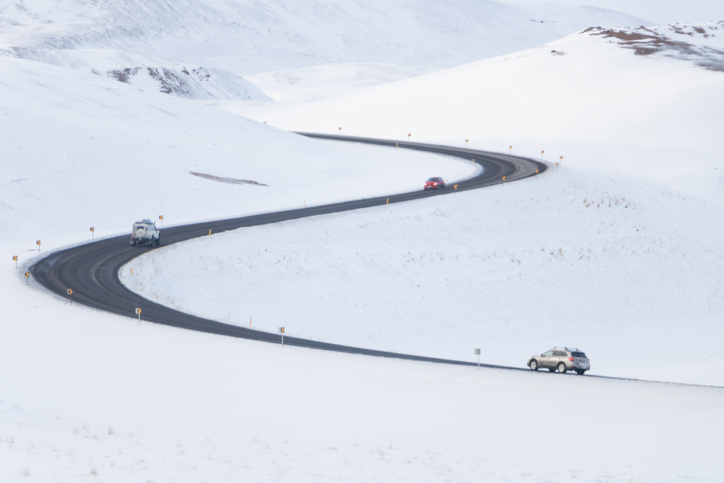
123 74
644 41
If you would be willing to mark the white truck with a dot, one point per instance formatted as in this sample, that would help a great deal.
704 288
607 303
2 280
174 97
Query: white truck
145 233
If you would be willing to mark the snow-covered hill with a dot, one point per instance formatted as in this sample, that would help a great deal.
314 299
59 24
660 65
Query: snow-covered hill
591 97
227 39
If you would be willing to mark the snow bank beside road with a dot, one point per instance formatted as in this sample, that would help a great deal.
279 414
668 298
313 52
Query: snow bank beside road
96 396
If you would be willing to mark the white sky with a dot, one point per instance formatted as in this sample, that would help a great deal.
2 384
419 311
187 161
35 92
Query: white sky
658 11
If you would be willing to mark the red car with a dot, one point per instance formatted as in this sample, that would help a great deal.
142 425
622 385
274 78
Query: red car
435 184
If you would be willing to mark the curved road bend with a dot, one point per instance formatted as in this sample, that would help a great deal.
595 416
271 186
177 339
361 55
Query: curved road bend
92 270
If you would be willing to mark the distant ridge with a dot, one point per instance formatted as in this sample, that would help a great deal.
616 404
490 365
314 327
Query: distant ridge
251 37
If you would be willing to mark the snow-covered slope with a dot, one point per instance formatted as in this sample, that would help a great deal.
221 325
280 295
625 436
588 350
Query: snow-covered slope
153 73
251 37
81 150
88 396
590 97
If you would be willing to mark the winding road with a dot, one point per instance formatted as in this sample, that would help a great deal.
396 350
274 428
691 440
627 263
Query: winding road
92 270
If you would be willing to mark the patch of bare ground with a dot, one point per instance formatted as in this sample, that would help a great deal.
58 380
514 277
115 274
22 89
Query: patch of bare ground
221 179
168 80
645 41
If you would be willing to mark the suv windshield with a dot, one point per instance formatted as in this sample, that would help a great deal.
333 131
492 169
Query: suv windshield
578 354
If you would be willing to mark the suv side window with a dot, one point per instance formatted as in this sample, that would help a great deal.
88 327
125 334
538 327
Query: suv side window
559 354
548 354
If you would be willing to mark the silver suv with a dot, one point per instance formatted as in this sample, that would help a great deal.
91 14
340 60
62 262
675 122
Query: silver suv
561 359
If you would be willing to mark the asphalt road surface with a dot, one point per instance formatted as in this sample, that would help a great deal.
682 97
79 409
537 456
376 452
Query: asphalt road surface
91 270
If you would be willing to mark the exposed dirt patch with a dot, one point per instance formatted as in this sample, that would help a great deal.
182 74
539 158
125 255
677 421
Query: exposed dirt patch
124 75
644 41
221 179
169 81
179 83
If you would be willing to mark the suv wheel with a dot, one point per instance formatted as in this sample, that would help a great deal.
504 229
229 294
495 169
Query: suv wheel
534 365
561 368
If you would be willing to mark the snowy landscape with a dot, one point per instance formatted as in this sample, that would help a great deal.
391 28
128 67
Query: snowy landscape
117 111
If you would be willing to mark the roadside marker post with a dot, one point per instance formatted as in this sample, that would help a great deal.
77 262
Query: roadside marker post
92 230
209 231
477 353
510 148
38 243
15 259
138 312
281 331
466 143
340 130
70 294
160 217
27 278
542 152
408 137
